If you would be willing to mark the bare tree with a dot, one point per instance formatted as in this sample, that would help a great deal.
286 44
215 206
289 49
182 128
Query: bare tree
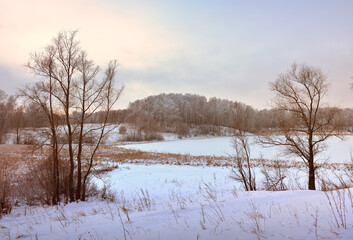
242 170
304 122
18 122
70 89
92 95
3 115
7 107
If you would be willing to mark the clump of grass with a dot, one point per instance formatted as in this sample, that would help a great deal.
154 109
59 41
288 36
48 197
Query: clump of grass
256 221
336 201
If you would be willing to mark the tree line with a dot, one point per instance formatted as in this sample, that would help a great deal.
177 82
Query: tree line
181 113
15 116
175 113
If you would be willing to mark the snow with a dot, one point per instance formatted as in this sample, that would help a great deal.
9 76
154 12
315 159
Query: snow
162 180
338 150
184 202
192 202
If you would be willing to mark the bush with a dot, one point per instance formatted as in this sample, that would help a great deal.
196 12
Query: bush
38 187
104 193
5 187
138 136
122 130
151 136
28 139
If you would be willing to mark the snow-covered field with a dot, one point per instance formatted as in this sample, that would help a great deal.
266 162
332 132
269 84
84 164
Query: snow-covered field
184 202
338 150
191 202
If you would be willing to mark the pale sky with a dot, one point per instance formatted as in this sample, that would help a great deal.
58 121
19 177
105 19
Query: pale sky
225 49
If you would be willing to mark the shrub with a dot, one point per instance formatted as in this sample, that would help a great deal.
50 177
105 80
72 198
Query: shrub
37 186
28 139
5 187
137 136
122 130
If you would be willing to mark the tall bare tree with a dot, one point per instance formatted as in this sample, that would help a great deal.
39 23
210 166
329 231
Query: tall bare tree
304 122
70 87
92 95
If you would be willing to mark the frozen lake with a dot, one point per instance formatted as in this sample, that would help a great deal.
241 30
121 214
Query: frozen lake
337 151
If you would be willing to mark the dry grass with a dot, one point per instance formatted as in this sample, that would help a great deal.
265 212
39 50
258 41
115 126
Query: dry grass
116 154
12 165
110 156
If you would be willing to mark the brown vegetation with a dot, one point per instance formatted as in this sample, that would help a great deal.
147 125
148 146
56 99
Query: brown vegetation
21 156
25 173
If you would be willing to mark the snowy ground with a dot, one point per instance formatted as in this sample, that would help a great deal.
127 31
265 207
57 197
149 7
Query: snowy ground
190 202
186 202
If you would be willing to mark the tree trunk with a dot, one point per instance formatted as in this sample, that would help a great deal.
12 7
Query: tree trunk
311 163
83 195
17 135
80 142
55 197
56 169
55 150
79 168
72 169
71 153
311 176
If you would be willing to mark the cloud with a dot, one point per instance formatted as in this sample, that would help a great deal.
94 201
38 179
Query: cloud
229 50
12 77
106 32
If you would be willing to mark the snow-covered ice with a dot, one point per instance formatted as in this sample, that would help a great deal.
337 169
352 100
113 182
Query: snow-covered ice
338 150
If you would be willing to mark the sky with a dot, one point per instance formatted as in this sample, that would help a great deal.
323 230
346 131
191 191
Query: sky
225 49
